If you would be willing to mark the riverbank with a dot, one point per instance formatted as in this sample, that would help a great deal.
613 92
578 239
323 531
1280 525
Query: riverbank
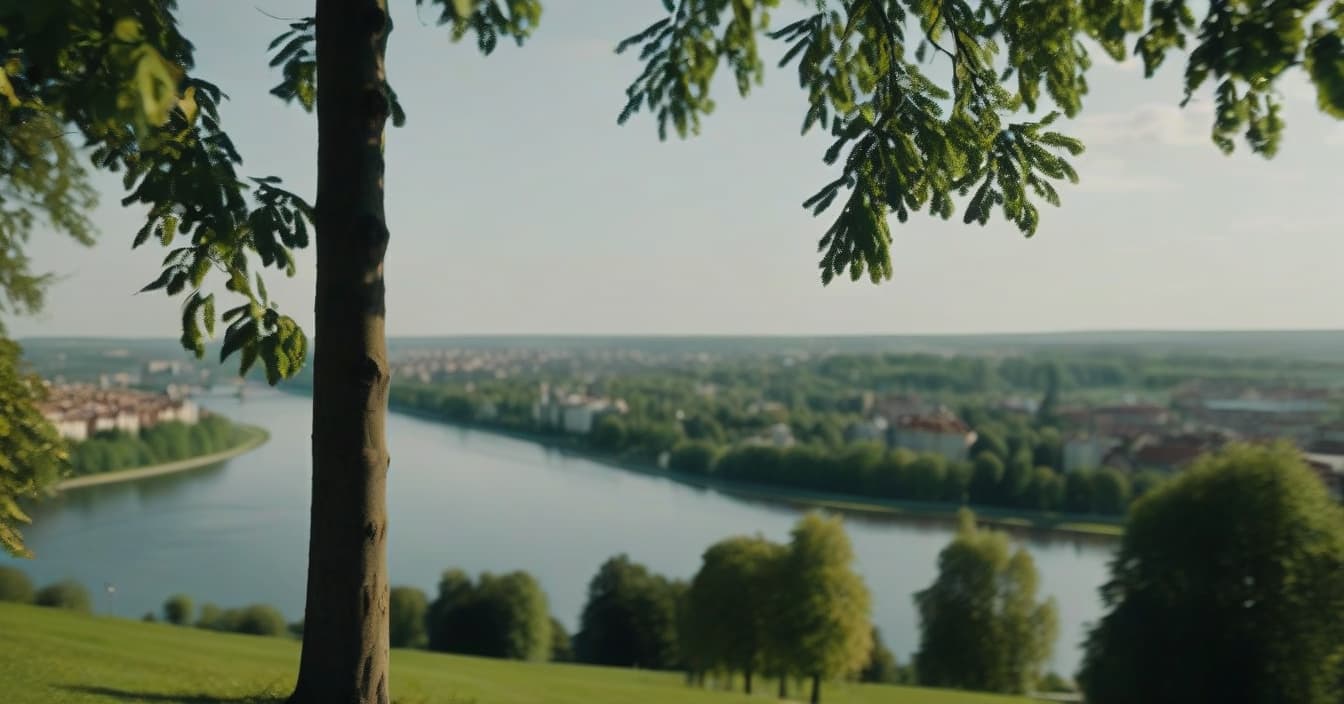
1067 524
1081 526
253 437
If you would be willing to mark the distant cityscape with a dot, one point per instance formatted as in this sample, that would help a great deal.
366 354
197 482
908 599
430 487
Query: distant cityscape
1129 434
570 391
80 411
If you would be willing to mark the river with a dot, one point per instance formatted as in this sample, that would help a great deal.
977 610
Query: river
236 532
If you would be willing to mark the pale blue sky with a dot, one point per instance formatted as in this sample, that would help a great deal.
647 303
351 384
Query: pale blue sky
518 206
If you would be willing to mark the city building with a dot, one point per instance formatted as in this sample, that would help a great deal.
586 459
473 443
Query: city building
1166 453
571 412
1130 419
941 433
80 411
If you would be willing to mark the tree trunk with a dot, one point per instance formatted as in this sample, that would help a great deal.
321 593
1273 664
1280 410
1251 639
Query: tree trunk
783 686
345 639
747 676
816 689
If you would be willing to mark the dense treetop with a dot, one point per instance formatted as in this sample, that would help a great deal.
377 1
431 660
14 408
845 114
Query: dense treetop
1243 554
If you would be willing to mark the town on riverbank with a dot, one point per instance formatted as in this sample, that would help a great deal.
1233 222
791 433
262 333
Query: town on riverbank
1046 431
115 432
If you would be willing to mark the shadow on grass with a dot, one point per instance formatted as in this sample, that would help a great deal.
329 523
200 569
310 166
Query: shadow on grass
134 696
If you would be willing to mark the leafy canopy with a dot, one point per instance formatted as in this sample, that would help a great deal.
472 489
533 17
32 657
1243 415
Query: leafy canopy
32 455
825 625
905 141
729 608
1242 554
981 626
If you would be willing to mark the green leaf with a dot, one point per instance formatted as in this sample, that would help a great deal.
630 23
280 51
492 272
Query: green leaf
208 314
160 282
235 337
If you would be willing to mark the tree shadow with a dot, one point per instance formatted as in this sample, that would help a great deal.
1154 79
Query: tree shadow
135 696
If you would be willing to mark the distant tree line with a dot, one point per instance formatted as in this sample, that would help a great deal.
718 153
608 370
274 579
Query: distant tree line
872 471
15 587
113 450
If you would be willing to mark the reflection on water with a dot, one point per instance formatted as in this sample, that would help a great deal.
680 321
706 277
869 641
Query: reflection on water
148 490
236 532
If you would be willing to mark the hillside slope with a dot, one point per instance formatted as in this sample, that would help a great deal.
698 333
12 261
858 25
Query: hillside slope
58 657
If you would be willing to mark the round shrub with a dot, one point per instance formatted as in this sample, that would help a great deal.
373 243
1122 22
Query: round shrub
65 594
15 586
177 610
259 620
211 618
406 620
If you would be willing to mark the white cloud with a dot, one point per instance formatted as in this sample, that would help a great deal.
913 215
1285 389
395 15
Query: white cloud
1335 137
1150 124
1112 175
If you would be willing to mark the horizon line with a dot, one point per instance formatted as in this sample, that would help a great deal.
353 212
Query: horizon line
768 335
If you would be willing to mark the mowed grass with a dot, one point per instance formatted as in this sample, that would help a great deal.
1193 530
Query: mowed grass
49 656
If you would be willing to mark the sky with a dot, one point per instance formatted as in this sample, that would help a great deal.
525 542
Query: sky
517 205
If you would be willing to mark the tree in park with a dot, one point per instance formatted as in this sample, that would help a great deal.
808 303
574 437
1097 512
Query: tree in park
823 627
881 667
1228 586
630 618
562 646
730 606
15 585
118 75
178 609
65 594
407 608
498 616
981 627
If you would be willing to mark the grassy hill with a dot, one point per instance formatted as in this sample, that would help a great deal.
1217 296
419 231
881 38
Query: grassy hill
59 657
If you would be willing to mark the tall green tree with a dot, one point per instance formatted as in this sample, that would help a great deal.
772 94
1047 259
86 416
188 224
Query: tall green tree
15 585
825 624
630 618
498 616
730 605
981 626
562 646
881 667
408 608
1243 555
178 610
119 75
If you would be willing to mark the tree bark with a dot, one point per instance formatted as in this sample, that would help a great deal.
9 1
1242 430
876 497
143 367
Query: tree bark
345 639
816 689
747 677
783 686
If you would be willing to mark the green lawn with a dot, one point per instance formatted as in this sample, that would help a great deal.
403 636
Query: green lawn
58 657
